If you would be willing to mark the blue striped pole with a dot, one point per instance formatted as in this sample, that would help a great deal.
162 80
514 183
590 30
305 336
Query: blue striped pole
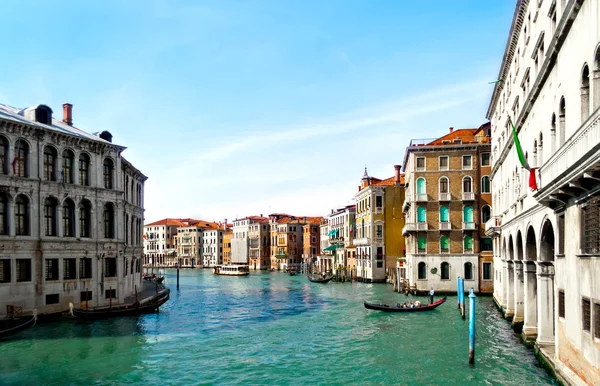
462 297
458 290
471 327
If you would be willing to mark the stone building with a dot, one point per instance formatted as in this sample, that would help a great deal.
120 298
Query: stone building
546 222
240 243
71 214
227 244
259 241
311 240
159 248
341 235
448 199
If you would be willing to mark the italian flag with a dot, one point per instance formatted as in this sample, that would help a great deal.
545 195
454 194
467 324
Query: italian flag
523 160
146 236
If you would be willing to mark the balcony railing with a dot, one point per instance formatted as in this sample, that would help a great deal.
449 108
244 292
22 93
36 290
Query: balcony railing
362 241
421 197
444 197
468 226
493 225
468 196
421 226
445 226
406 204
413 227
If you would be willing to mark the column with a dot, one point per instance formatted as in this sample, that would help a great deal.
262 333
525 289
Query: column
503 285
518 293
545 285
530 306
509 286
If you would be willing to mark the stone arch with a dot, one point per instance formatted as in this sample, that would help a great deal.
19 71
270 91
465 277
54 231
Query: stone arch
585 92
547 241
511 248
596 79
530 245
519 245
562 116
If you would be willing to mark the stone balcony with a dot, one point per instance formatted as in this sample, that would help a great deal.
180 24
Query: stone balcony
492 226
406 204
445 226
574 169
414 227
468 196
468 226
362 241
421 197
444 197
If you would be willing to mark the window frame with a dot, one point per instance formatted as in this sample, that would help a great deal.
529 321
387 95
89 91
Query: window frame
491 276
424 167
471 276
447 158
488 184
20 265
447 272
470 158
424 276
489 159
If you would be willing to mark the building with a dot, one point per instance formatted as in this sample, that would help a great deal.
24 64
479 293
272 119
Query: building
159 249
311 240
290 241
260 244
190 242
546 222
341 236
240 245
379 221
447 201
212 244
324 258
71 214
227 235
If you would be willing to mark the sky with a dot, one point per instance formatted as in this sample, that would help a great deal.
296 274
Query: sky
235 108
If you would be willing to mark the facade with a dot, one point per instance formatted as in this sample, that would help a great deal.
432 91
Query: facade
159 250
260 244
546 237
227 235
289 245
447 202
240 243
311 240
379 221
190 240
212 245
324 258
341 236
71 214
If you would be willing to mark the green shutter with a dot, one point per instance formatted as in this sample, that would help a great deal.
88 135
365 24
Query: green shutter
421 186
468 242
421 214
445 242
468 214
422 243
444 214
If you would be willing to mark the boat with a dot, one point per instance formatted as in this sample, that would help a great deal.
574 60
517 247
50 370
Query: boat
319 279
232 270
388 308
11 326
292 271
146 306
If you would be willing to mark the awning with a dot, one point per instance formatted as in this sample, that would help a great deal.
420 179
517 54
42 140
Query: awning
331 248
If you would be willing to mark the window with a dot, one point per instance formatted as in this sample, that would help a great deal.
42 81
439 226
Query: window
444 185
591 226
585 314
597 320
467 162
110 267
378 202
485 159
468 213
110 293
67 165
50 216
485 213
22 215
379 231
21 162
420 164
485 184
84 169
69 269
85 268
52 299
108 173
467 185
444 214
51 269
68 218
445 244
468 271
468 244
109 221
421 214
486 245
444 163
23 270
422 245
3 155
4 271
85 296
561 303
445 271
421 187
3 214
422 271
49 163
85 211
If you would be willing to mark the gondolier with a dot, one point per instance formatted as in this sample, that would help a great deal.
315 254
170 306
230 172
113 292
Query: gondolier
431 293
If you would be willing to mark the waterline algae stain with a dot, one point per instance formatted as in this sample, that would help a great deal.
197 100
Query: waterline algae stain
272 329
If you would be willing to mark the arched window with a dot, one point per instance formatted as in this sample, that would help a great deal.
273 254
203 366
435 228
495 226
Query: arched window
109 221
84 169
541 150
445 271
596 81
468 213
126 229
3 214
21 161
422 268
421 214
85 218
445 244
444 214
486 213
562 116
3 155
126 188
485 184
49 163
421 189
68 216
22 215
50 224
467 185
444 185
468 271
468 244
422 245
68 159
585 93
108 173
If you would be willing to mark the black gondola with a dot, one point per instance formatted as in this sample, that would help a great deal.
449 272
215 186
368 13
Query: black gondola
387 308
12 326
143 307
319 280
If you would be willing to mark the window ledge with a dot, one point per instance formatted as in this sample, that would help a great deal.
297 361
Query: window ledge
586 256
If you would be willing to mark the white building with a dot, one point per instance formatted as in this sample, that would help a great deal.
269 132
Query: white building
547 241
341 234
71 214
212 246
240 245
159 248
324 258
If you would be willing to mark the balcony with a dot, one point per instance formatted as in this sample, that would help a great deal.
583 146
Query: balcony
421 197
573 170
406 205
492 226
445 226
468 196
362 241
414 227
444 197
468 226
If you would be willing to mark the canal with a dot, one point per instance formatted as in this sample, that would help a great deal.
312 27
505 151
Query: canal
272 329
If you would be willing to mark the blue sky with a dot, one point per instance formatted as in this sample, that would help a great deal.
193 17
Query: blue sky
235 108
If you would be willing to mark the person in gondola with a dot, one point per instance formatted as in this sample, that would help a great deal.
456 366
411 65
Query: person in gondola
431 293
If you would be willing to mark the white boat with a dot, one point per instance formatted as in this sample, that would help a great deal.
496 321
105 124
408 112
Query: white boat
232 270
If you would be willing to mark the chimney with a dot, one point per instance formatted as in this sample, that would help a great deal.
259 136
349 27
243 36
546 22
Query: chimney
68 114
451 129
261 215
359 188
397 174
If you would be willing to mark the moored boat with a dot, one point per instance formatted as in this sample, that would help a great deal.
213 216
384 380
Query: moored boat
232 270
146 306
11 326
399 308
317 279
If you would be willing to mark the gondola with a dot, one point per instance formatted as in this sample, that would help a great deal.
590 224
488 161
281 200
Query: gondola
146 306
387 308
319 280
12 326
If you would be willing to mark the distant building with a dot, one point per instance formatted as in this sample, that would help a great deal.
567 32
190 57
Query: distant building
240 243
341 235
159 248
227 245
311 239
259 244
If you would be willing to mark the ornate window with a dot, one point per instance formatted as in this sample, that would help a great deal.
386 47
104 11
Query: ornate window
85 218
109 221
3 155
444 185
485 213
468 244
22 215
422 245
68 216
3 214
50 225
68 158
468 213
485 184
467 185
84 169
445 244
421 214
49 163
444 214
21 161
108 173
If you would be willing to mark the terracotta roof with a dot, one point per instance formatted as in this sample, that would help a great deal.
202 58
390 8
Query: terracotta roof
465 136
180 222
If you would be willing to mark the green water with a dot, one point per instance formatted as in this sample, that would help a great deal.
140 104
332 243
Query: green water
270 328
